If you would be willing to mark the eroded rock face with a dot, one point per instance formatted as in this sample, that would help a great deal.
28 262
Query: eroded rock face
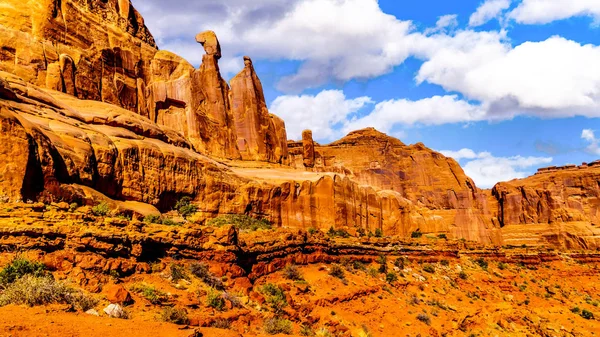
61 45
441 197
561 207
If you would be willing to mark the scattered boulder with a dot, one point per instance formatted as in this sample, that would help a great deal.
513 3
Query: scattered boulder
115 311
118 294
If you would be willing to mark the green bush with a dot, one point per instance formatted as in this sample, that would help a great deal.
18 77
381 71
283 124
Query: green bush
445 263
587 314
442 236
274 297
274 326
423 317
170 222
312 230
291 272
19 267
73 207
306 330
153 219
35 290
200 270
337 271
428 268
463 275
150 293
382 260
482 263
502 265
174 315
400 263
101 209
332 232
241 222
215 300
178 272
416 234
391 277
378 233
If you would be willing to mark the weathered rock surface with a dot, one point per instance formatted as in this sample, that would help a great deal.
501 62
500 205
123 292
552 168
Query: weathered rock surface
555 207
434 189
260 136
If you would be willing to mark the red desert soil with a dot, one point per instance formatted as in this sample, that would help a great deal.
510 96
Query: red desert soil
52 321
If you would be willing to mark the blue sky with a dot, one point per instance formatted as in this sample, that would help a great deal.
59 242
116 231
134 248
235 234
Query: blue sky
503 86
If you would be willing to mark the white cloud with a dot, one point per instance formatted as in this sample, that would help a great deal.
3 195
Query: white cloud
434 110
320 113
545 11
487 11
548 79
444 23
334 39
487 170
594 146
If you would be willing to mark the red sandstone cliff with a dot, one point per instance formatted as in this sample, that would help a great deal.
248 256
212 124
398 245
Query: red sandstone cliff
91 109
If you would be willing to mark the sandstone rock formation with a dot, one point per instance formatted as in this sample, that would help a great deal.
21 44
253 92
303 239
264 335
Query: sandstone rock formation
448 199
91 109
559 207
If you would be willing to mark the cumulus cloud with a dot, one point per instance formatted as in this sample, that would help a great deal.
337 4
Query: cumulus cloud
487 170
333 39
545 11
487 11
444 23
434 110
320 113
589 136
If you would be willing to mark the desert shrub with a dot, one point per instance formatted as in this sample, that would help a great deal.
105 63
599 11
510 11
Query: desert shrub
442 236
73 207
19 267
323 332
200 270
185 208
274 326
101 209
360 232
149 292
463 275
357 265
586 314
215 300
170 222
423 317
178 272
232 298
391 277
241 222
82 302
481 262
312 230
378 233
416 234
502 265
291 272
153 219
332 232
365 332
382 260
221 323
428 268
400 263
274 297
337 271
373 272
575 310
174 315
34 290
306 330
